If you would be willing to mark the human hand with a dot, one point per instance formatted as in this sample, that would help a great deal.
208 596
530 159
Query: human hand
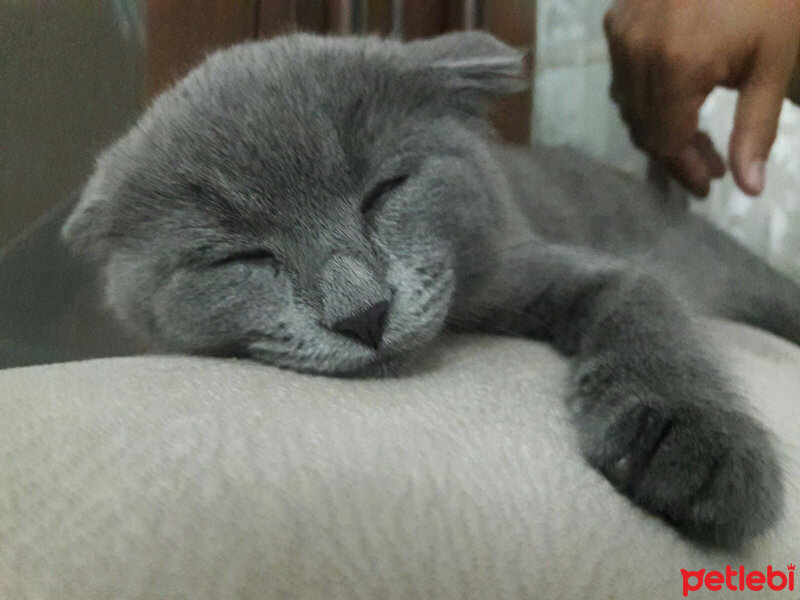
668 55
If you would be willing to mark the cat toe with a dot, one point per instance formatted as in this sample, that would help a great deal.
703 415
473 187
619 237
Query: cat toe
732 491
710 472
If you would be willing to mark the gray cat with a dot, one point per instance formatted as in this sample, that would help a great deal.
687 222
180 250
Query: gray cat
330 205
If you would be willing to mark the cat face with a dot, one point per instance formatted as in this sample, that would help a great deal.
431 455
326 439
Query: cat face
305 201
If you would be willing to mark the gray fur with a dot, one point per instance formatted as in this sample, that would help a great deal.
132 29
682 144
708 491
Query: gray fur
273 146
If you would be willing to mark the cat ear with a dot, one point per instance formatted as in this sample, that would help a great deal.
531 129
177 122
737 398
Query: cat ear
84 229
475 61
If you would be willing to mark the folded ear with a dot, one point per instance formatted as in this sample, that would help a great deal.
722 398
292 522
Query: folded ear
84 230
474 61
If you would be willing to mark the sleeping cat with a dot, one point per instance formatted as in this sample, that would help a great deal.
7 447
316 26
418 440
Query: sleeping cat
329 205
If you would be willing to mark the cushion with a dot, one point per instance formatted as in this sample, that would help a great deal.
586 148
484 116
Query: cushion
197 478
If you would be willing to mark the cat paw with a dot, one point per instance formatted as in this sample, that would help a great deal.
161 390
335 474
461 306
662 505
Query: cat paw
686 453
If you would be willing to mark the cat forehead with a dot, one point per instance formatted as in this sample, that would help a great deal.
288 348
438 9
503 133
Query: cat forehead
293 91
280 120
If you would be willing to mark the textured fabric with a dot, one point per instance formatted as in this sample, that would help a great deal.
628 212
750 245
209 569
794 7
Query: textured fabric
191 478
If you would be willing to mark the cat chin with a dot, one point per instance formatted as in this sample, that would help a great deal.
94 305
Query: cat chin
333 365
381 366
316 364
353 360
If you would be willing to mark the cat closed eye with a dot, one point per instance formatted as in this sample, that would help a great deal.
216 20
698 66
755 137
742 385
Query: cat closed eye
256 255
381 191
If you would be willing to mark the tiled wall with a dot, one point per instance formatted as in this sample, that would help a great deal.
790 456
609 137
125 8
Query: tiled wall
770 225
572 80
572 107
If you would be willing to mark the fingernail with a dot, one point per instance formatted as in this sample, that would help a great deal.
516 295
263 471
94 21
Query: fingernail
755 176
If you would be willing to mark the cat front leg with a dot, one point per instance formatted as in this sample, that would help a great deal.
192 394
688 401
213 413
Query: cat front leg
653 411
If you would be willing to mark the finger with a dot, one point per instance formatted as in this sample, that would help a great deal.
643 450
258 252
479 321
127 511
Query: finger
637 82
617 87
674 109
756 121
628 49
636 49
619 59
709 154
691 171
636 131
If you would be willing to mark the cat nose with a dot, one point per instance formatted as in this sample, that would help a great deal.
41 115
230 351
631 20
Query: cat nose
365 326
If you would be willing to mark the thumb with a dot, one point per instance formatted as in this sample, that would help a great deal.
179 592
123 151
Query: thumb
756 123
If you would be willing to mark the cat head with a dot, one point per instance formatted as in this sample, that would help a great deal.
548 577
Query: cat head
305 201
